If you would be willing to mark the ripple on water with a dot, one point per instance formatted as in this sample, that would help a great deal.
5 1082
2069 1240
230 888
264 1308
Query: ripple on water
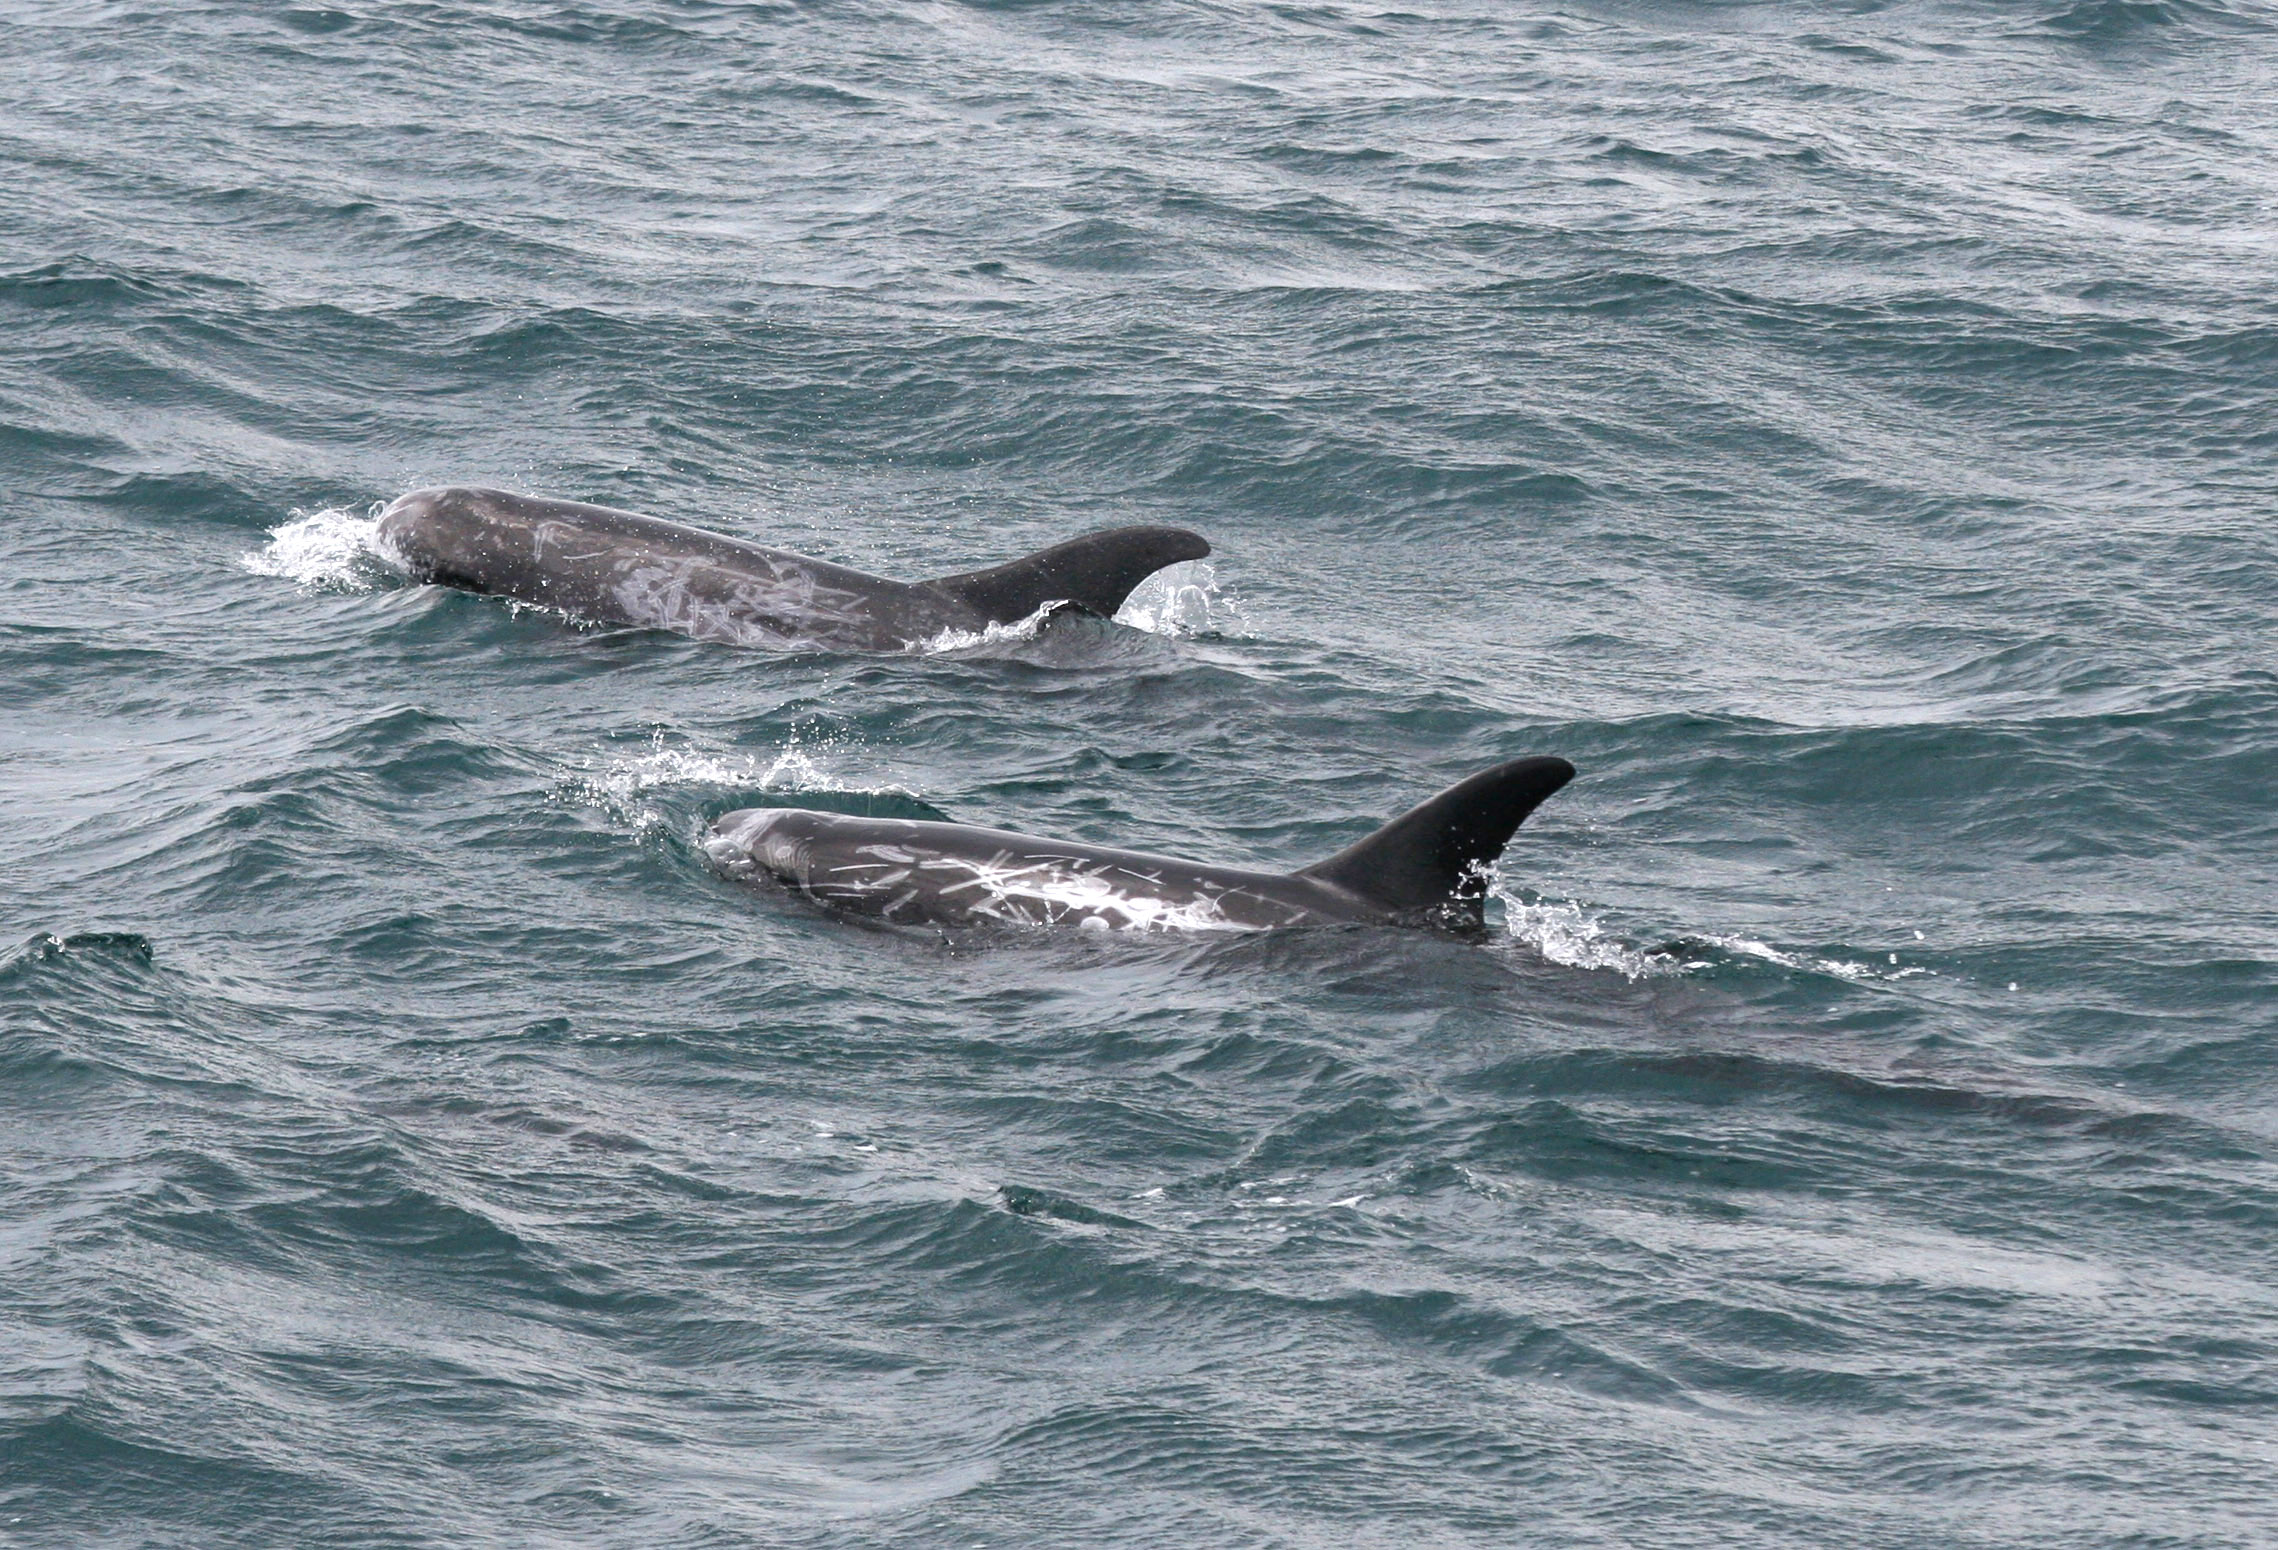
1842 432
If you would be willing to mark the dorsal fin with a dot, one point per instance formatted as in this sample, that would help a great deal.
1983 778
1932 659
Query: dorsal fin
1428 861
1095 572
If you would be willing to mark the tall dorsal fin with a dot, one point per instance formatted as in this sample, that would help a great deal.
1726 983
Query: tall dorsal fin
1427 860
1095 572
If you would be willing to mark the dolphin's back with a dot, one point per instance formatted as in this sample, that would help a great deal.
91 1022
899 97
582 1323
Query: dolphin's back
917 873
619 567
1426 867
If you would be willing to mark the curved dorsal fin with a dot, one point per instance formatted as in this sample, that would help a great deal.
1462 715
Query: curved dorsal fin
1095 572
1427 860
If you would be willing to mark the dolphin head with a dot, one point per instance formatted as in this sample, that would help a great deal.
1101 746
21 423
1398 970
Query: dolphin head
763 839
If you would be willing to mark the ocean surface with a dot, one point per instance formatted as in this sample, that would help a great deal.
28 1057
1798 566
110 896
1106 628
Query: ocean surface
1846 431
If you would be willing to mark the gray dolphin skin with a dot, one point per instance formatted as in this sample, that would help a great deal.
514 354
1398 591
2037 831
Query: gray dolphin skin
1427 867
617 567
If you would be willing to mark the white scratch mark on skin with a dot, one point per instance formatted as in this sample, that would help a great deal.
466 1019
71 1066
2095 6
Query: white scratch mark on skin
695 597
1050 893
903 881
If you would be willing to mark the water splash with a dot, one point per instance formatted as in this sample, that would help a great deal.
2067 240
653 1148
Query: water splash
334 548
1565 933
1184 600
991 635
622 787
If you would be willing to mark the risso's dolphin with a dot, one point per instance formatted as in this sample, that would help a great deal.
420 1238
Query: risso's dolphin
1428 867
616 567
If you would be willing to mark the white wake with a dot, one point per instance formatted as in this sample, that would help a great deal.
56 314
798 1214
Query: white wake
334 549
1567 932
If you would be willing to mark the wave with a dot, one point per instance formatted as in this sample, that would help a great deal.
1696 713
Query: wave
2114 21
47 947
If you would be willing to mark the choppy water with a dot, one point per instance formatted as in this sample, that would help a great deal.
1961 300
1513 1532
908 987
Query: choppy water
1844 431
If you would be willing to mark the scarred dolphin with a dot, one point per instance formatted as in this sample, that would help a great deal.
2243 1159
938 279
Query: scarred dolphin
1427 867
617 567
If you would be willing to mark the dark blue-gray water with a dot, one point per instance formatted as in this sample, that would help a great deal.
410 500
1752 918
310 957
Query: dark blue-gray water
1844 430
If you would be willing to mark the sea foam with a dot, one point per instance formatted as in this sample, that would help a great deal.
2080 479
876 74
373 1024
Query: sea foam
333 548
